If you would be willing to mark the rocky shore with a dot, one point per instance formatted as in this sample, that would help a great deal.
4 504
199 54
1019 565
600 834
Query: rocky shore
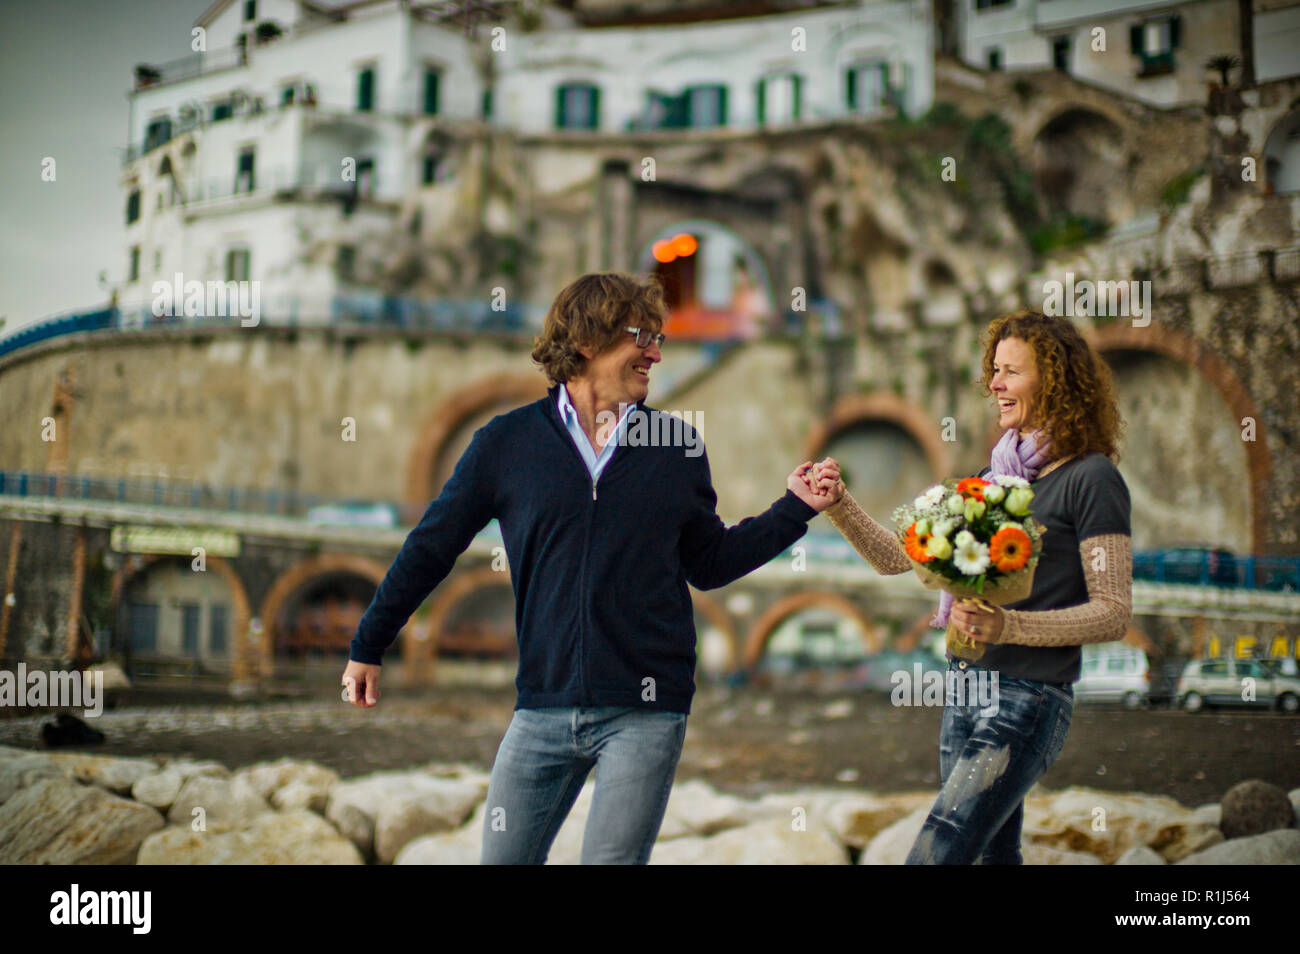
74 808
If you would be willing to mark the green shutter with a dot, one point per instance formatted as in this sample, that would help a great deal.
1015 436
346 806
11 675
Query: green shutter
431 78
761 95
798 96
722 105
850 89
595 108
1175 31
1135 39
559 107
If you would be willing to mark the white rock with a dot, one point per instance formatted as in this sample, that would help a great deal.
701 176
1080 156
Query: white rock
58 821
1106 824
158 790
113 677
696 808
770 842
1209 814
268 777
1032 853
187 768
21 771
300 795
892 846
292 838
226 802
402 806
107 771
464 846
1280 847
1294 796
1140 855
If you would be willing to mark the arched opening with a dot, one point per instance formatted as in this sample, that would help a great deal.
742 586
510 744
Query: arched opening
812 638
173 619
317 621
1078 159
1282 155
715 284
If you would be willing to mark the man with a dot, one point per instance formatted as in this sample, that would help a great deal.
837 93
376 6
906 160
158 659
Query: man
603 531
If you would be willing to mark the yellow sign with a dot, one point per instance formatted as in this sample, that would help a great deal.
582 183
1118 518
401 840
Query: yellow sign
182 540
1248 647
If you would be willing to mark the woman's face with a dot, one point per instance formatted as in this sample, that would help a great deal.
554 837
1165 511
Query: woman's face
1015 383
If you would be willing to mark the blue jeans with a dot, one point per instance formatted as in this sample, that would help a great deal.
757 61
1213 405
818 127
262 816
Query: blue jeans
988 764
540 769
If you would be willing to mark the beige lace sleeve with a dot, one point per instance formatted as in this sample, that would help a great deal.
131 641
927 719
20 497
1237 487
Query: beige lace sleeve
878 545
1108 570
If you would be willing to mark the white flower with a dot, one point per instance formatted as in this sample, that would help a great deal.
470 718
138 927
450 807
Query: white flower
945 527
1018 501
963 539
994 493
971 557
1006 480
1012 524
956 503
938 547
930 498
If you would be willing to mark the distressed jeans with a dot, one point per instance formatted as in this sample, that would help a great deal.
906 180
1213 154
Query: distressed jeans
543 762
988 764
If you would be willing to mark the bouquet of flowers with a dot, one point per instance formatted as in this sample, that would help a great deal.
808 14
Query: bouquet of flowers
974 539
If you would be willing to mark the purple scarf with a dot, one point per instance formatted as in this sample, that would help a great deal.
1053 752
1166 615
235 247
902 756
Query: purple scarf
1014 456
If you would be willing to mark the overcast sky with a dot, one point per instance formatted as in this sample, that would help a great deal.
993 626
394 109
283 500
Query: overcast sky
65 69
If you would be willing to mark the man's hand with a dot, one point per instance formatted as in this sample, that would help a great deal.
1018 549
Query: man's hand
979 621
800 482
361 681
825 479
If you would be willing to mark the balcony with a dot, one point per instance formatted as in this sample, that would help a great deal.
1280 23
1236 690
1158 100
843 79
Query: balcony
151 76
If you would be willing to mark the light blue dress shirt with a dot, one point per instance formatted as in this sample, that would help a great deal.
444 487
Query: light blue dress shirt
569 415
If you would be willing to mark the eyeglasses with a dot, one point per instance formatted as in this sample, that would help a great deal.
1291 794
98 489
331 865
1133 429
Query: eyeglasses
644 336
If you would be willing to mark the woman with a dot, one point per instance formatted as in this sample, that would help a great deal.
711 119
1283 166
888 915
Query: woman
1056 403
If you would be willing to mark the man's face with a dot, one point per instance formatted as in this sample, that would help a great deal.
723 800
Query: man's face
622 374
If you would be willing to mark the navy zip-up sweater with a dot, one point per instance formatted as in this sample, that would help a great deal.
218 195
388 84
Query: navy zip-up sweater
599 568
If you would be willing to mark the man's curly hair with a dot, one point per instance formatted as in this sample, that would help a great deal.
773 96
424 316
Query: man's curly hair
1075 402
593 312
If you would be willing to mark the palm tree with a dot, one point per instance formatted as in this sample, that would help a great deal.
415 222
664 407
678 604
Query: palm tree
1224 62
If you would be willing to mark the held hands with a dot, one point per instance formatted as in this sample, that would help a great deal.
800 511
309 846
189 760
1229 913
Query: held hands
977 620
361 684
817 485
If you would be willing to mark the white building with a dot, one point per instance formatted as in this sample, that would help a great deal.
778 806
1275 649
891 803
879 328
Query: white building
298 132
1155 50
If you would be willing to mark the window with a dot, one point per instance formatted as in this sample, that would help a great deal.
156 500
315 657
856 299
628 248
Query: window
190 620
237 265
133 269
866 87
779 99
365 184
287 95
223 110
346 263
706 106
1154 42
244 181
142 623
366 90
1116 664
250 10
993 56
157 260
217 616
133 206
1217 667
1061 53
990 4
485 107
577 106
429 174
157 132
432 77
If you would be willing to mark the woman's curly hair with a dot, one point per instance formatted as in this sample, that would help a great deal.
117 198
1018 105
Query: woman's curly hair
593 312
1075 402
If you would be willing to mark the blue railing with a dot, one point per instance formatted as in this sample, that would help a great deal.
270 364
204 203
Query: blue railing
165 492
56 327
1210 567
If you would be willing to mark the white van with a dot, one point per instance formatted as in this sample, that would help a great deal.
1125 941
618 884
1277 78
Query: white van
1114 672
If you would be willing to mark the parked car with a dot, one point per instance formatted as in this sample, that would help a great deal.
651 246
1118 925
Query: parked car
1220 682
1114 672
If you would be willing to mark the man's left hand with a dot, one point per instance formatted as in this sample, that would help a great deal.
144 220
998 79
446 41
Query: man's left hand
796 483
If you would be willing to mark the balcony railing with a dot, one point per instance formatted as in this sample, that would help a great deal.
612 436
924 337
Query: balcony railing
1221 568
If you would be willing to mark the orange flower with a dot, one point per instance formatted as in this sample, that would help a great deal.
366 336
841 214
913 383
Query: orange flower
1009 549
915 545
972 488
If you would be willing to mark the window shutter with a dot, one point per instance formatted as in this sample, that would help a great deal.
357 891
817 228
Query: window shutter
1135 39
797 81
559 107
595 108
722 105
761 95
850 89
1175 31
